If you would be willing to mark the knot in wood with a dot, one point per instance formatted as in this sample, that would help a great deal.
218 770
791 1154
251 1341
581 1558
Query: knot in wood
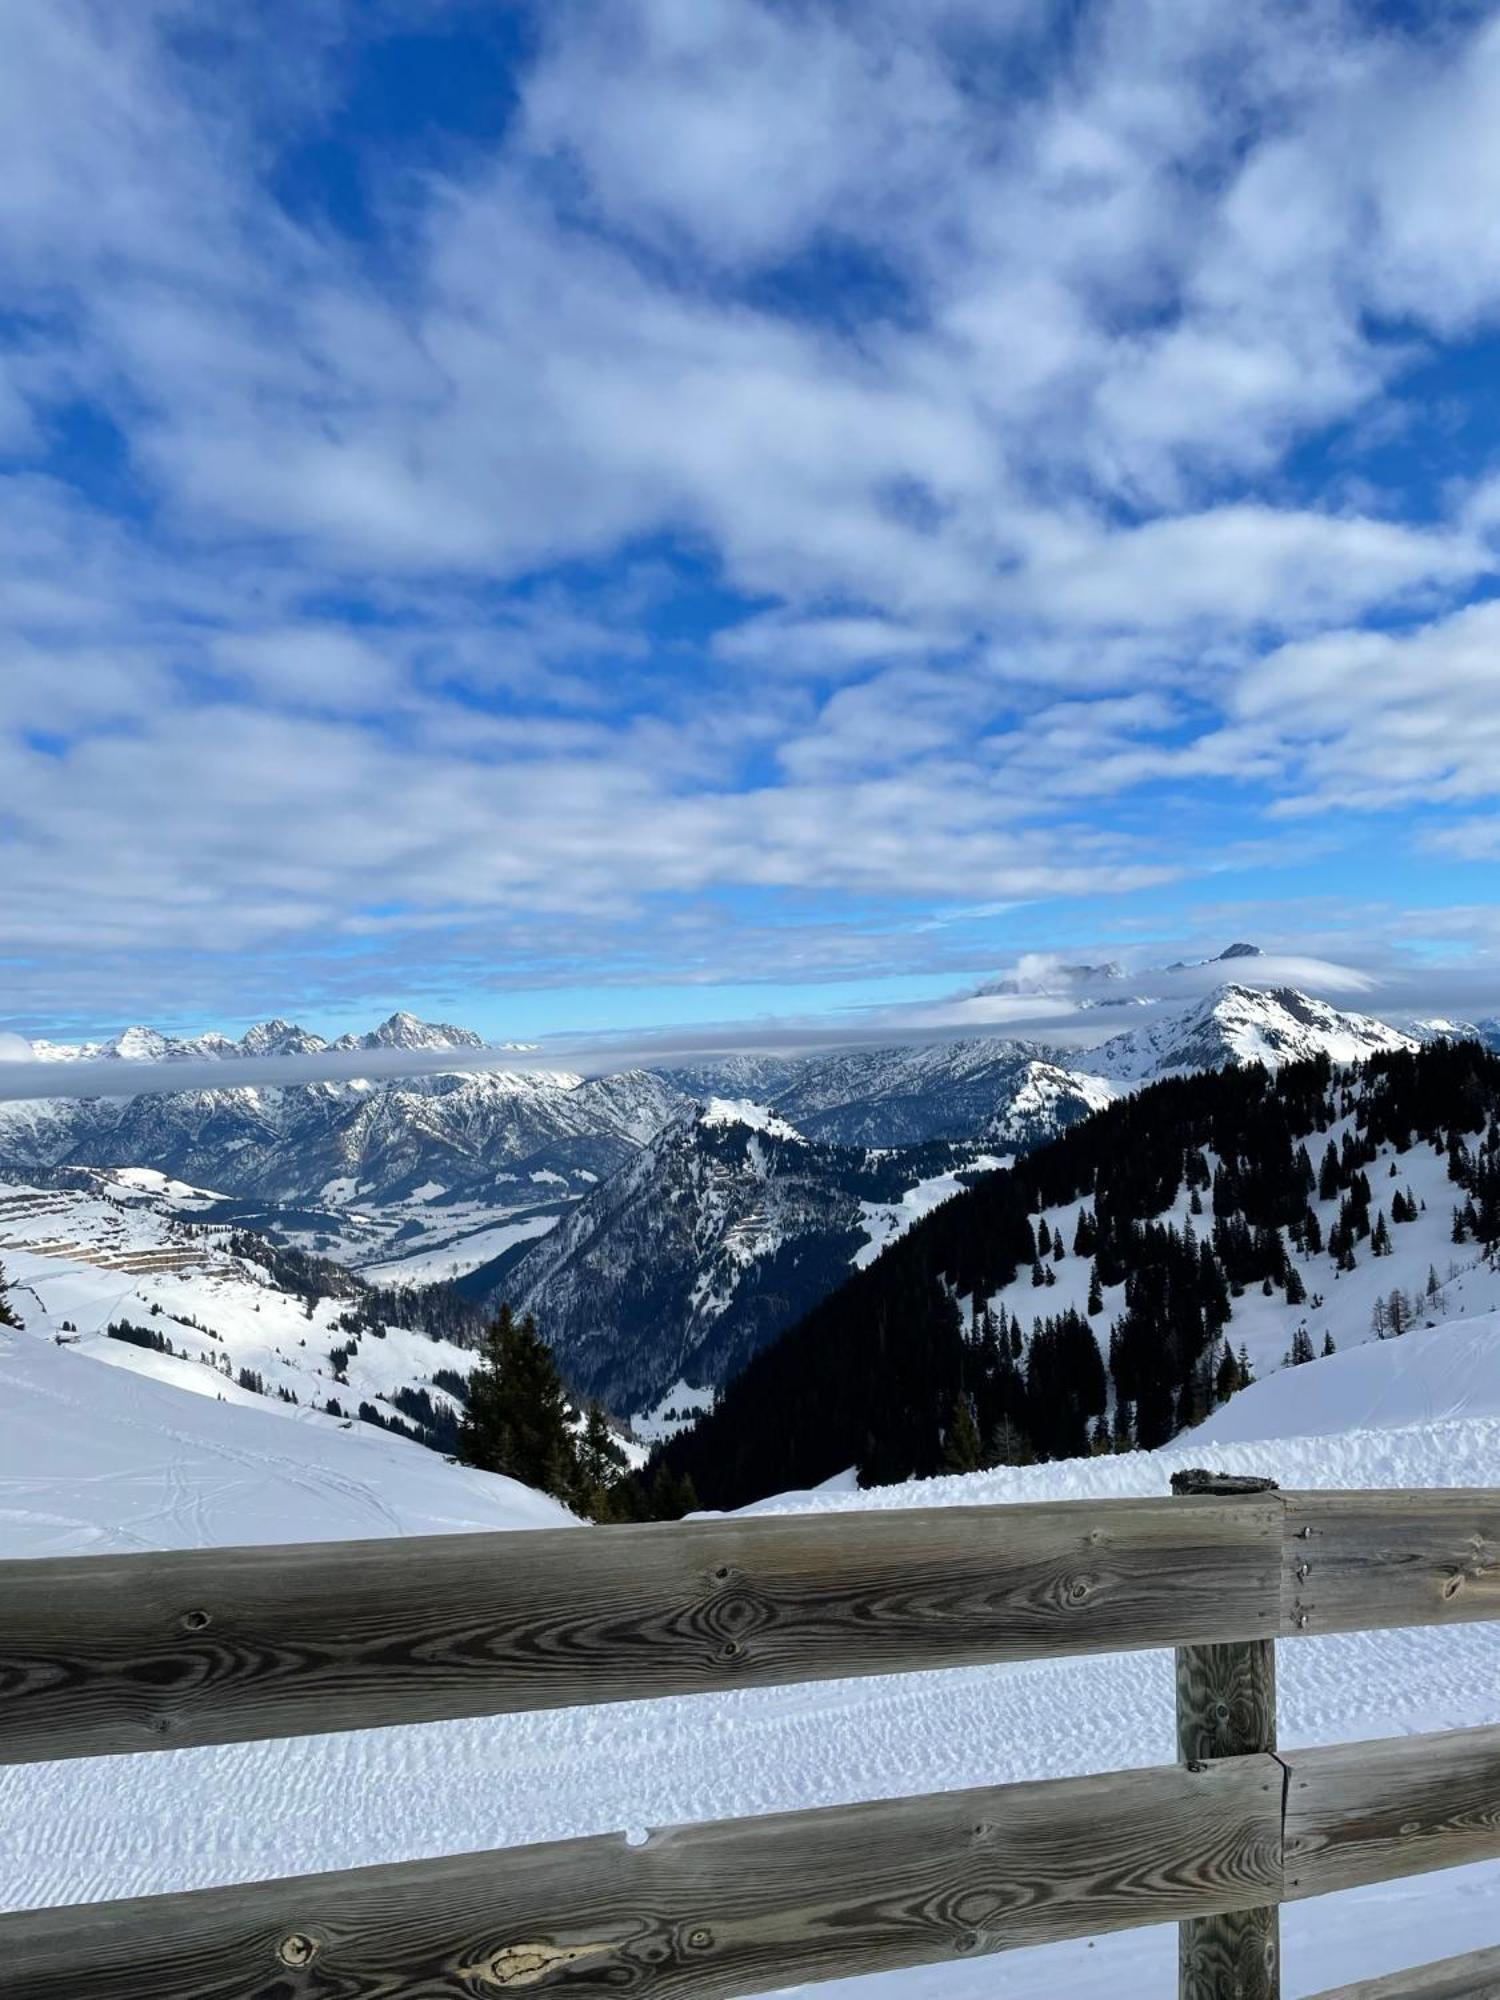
298 1949
196 1621
701 1938
525 1964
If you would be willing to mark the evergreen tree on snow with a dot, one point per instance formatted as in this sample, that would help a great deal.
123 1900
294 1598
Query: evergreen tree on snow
962 1450
8 1313
516 1422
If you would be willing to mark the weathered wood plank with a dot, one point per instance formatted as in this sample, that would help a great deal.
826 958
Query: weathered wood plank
1366 1812
1474 1976
1358 1561
148 1652
1226 1707
696 1911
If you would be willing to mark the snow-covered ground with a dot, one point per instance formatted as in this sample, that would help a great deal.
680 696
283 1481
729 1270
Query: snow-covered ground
450 1245
94 1460
81 1260
886 1220
101 1460
679 1408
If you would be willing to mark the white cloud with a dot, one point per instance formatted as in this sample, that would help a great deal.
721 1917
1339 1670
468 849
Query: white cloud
968 370
1374 719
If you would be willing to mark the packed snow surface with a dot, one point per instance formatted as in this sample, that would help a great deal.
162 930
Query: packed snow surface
102 1460
95 1460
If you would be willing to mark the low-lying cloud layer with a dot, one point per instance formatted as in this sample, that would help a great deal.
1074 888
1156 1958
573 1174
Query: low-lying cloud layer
1041 999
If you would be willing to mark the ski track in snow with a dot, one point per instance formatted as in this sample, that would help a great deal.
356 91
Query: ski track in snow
110 1827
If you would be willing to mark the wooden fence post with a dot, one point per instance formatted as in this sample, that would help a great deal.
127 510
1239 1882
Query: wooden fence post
1226 1707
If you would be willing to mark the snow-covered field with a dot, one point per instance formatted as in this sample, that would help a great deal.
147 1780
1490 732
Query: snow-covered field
97 1460
81 1260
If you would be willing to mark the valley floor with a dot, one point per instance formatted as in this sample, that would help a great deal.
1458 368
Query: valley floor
1422 1411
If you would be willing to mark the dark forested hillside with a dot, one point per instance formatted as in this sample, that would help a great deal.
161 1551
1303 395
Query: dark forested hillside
1188 1195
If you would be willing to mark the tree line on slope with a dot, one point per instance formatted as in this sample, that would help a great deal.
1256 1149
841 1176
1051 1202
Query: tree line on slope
909 1368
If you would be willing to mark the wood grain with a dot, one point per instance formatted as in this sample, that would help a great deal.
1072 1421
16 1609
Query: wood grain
1226 1707
1357 1561
1365 1812
699 1911
1474 1976
103 1654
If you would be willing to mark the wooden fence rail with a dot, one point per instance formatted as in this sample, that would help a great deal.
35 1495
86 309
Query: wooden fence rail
1475 1976
150 1652
103 1654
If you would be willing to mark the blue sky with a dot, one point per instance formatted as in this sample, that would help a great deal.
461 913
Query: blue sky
631 512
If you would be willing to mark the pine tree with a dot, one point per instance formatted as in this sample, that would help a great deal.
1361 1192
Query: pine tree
8 1313
1096 1294
1380 1242
962 1451
1296 1291
600 1460
1328 1346
1301 1349
516 1422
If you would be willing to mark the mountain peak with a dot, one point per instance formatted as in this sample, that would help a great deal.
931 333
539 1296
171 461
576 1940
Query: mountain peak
406 1031
140 1044
1234 1023
279 1038
1238 951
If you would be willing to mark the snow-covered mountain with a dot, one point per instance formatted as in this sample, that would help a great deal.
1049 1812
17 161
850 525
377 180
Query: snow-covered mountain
987 1087
455 1174
1116 1284
708 1244
715 1237
1241 1024
461 1135
405 1031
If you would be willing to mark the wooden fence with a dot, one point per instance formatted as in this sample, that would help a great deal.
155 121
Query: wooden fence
105 1654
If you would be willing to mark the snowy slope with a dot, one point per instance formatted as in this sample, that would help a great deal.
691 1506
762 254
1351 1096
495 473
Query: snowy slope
1339 1304
96 1459
1431 1376
124 1826
79 1260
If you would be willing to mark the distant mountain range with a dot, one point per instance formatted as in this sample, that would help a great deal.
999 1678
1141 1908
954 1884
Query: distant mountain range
683 1240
